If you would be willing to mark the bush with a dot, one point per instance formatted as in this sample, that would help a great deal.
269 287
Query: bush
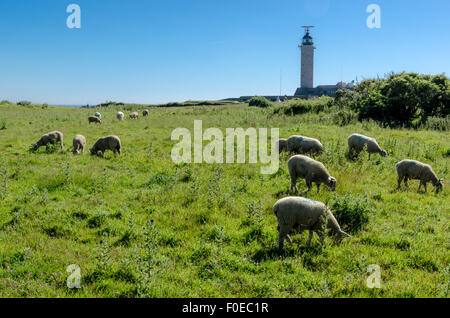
436 123
399 99
345 117
24 103
299 106
352 212
259 101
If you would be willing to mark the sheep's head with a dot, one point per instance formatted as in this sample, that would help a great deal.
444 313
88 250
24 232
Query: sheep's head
332 183
34 146
92 151
383 153
439 185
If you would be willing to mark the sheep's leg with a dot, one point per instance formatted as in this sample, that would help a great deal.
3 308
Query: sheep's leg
425 186
406 182
369 155
318 187
420 185
310 238
294 184
282 235
399 180
309 184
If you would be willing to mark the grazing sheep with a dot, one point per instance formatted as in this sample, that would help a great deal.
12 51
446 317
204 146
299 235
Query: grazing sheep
79 143
93 119
302 145
304 214
107 143
282 145
134 115
120 116
49 138
97 114
311 170
415 170
357 142
145 113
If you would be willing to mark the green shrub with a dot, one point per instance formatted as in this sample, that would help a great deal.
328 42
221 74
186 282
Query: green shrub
24 103
435 123
259 101
351 211
345 117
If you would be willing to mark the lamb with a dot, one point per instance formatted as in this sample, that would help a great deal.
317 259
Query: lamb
120 116
411 169
98 115
357 142
282 144
302 145
49 138
79 143
304 214
300 166
134 115
145 113
107 143
93 119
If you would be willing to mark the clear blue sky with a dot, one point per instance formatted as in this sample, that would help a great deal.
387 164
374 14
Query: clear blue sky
149 51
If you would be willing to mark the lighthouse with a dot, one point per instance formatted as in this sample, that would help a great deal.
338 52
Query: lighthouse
307 60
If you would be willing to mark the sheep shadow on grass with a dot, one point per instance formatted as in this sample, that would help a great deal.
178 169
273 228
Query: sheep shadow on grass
297 249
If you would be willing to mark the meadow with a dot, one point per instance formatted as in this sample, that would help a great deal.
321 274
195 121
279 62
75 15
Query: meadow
139 225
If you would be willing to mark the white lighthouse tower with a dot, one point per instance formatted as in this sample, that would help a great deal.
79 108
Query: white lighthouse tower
307 60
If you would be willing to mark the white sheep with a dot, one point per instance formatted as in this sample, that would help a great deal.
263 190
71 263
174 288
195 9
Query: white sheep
415 170
120 116
49 138
357 142
145 113
97 114
300 166
134 115
304 145
79 143
107 143
304 214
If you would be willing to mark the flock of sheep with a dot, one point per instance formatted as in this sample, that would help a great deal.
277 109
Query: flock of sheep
305 214
79 141
291 212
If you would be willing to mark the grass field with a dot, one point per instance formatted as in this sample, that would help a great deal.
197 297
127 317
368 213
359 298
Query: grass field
140 226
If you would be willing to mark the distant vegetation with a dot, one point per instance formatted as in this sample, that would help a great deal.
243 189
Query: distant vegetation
399 100
259 101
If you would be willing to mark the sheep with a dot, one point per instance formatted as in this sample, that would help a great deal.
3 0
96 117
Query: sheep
134 115
302 145
282 144
93 119
304 214
145 113
107 143
412 169
357 142
300 166
79 143
120 116
98 115
51 137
